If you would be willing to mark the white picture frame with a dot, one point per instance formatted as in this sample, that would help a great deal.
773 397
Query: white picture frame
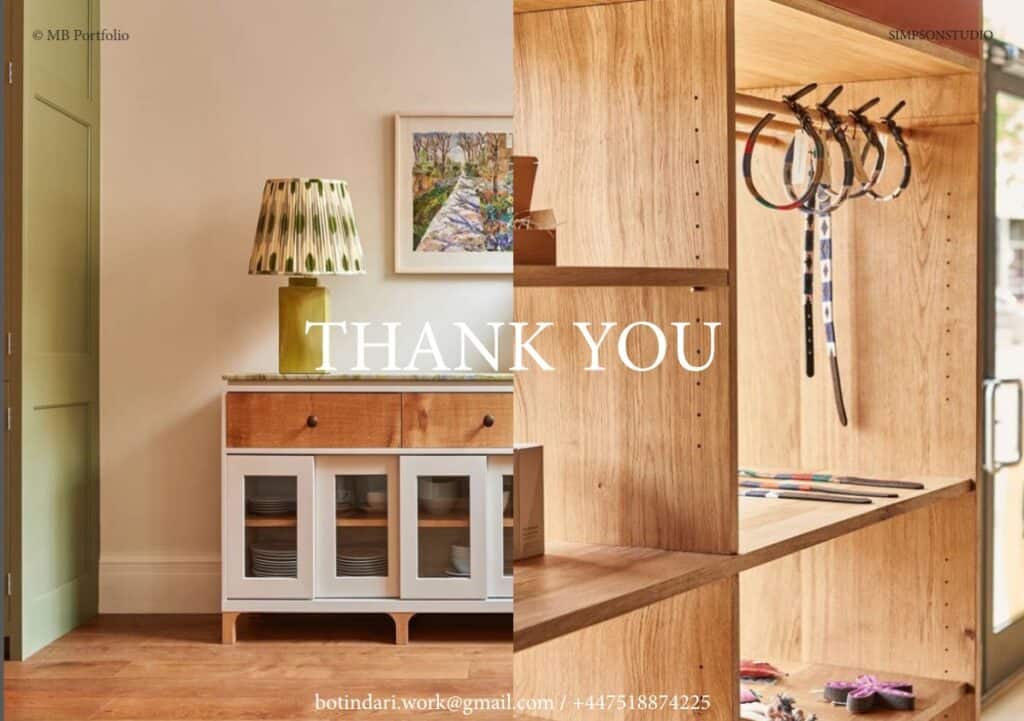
411 256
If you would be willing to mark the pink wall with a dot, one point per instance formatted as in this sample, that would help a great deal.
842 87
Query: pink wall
922 15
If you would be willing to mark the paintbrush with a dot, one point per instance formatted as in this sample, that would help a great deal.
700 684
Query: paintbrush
802 496
814 487
829 478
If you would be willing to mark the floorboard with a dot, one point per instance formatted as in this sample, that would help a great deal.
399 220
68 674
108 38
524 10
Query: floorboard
173 668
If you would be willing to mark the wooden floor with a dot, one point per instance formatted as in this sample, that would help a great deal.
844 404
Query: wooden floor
1008 705
156 668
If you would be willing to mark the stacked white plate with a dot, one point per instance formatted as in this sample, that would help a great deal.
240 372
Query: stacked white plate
274 558
362 562
271 505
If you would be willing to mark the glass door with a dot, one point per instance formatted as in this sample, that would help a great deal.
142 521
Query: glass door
269 527
443 540
500 481
357 526
1003 646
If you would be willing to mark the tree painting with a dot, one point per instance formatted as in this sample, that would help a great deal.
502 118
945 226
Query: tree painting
462 192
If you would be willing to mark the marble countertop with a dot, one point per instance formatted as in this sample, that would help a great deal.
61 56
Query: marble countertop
271 377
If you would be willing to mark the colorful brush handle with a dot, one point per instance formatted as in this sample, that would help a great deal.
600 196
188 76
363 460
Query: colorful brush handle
802 496
830 478
807 486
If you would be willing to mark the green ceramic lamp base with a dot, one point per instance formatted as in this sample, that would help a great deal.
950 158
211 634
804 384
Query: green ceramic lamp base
300 301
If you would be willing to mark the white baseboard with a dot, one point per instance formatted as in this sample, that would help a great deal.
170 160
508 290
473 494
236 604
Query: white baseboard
159 584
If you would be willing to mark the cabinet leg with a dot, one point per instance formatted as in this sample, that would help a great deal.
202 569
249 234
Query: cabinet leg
401 627
228 620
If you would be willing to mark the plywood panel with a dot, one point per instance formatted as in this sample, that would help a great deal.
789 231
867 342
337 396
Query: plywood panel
900 595
576 585
906 315
770 626
631 458
626 107
676 646
833 46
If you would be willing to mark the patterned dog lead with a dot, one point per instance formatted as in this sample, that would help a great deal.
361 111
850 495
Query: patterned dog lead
809 210
807 125
827 313
897 135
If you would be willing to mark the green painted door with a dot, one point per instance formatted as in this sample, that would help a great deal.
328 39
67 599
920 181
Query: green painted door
55 562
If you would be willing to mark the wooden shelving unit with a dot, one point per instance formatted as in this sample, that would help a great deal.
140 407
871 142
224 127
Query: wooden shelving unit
654 569
576 585
548 276
771 529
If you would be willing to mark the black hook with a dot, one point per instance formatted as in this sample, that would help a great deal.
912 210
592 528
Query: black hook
831 96
800 93
892 113
865 107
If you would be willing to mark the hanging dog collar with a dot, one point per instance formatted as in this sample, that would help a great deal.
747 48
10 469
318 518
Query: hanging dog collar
807 126
897 135
861 123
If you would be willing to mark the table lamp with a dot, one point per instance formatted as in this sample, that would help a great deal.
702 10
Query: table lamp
306 229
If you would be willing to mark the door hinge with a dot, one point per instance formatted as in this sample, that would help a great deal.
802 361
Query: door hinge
10 72
10 584
10 343
10 418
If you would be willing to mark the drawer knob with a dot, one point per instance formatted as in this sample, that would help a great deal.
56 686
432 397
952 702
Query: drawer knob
488 420
312 421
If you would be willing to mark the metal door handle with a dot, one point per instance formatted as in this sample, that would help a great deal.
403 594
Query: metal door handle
992 385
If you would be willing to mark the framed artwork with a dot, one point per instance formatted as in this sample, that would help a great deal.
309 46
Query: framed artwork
453 194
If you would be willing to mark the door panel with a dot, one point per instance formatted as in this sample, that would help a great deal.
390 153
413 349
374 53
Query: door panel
443 539
357 526
500 482
1003 486
55 327
269 527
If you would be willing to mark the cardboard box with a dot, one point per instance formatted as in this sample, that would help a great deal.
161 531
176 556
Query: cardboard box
528 502
535 245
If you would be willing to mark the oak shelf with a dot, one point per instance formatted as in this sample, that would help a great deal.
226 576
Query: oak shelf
367 520
363 520
549 276
772 528
852 47
933 696
444 521
284 520
575 585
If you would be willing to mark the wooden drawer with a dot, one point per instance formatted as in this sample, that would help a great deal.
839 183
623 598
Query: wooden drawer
286 420
456 420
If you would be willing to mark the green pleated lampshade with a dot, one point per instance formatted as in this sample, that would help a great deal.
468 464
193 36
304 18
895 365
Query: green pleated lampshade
306 227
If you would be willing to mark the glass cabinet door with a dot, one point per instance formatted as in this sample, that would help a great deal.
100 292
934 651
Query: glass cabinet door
443 522
500 480
269 527
357 526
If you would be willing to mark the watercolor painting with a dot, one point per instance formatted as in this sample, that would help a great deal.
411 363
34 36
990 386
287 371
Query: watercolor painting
453 194
462 192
